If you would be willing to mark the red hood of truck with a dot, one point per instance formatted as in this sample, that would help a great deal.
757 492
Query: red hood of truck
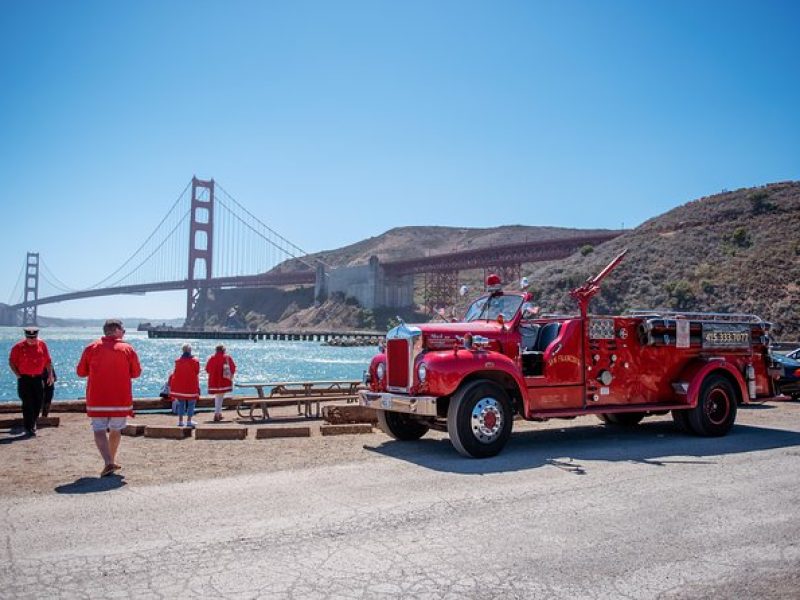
440 336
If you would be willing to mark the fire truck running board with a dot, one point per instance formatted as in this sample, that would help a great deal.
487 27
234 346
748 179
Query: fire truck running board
594 409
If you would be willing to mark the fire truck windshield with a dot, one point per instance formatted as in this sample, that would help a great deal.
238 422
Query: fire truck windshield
488 308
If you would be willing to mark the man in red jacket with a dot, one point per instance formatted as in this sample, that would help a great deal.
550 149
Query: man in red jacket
110 364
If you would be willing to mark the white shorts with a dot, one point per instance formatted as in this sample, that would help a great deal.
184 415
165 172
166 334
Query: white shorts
104 423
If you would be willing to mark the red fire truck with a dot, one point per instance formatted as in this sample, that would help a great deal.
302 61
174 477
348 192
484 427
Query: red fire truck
470 378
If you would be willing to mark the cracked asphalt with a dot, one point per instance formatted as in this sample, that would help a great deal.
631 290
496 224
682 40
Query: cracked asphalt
568 510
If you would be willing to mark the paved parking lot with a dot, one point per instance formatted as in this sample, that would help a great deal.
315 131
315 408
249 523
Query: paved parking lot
570 509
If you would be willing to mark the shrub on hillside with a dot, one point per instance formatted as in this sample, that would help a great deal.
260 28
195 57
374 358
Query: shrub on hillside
759 204
681 295
741 238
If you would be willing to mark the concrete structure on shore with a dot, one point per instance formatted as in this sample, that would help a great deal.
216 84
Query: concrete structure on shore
369 284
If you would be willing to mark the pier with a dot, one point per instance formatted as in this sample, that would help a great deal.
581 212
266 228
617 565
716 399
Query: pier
363 337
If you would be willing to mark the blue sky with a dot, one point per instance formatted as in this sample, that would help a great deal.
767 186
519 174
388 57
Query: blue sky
335 121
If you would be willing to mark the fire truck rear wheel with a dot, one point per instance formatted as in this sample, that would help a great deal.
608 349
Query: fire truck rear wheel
400 426
716 407
479 419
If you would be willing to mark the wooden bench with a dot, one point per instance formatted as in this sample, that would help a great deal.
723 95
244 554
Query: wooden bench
305 394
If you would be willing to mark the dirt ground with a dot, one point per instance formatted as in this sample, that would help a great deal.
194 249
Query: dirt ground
62 455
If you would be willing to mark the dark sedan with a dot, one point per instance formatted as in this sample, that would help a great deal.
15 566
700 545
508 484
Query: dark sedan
789 379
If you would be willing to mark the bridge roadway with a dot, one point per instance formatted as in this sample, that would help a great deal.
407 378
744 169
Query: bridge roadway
494 256
239 281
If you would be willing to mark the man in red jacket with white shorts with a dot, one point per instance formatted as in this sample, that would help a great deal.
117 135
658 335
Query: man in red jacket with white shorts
110 364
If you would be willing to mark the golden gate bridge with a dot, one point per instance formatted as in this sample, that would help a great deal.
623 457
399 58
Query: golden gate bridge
208 240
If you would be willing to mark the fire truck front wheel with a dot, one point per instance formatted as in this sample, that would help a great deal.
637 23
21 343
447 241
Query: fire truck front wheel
479 419
400 426
716 407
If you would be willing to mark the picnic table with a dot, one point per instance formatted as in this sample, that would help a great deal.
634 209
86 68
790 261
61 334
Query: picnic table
305 394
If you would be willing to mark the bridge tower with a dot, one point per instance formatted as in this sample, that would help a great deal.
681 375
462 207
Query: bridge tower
201 245
31 289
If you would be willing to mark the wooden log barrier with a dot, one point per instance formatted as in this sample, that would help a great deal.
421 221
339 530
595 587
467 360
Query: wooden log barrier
9 423
167 433
264 433
220 433
349 429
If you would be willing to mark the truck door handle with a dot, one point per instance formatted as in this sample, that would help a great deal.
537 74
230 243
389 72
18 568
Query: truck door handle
557 349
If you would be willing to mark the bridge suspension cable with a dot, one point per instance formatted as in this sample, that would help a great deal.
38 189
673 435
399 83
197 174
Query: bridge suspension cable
16 293
144 261
104 282
264 231
47 275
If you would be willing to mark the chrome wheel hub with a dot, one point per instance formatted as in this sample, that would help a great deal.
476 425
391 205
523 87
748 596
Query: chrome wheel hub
487 420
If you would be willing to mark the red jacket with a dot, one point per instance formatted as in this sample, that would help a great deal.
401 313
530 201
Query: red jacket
184 383
217 382
29 359
110 364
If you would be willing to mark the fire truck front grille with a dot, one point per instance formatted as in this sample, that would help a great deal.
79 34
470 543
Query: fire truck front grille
397 362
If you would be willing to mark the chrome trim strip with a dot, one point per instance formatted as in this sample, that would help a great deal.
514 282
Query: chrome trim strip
416 405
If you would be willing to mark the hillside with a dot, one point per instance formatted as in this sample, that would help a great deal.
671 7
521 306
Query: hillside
735 251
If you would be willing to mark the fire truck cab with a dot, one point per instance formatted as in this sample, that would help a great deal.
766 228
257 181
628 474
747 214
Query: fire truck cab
471 378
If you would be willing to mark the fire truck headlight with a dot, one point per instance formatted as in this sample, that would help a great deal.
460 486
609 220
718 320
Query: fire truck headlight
380 371
422 372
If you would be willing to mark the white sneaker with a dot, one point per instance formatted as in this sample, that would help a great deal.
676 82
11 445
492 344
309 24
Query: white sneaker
180 423
190 424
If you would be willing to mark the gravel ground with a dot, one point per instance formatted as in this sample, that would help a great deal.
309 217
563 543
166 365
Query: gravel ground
570 509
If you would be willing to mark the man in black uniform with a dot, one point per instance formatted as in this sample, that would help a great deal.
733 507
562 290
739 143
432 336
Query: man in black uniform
28 360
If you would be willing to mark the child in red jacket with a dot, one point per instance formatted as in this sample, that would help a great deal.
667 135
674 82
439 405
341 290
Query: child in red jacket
184 385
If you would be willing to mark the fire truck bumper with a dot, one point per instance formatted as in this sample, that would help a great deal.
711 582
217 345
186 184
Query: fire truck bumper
414 405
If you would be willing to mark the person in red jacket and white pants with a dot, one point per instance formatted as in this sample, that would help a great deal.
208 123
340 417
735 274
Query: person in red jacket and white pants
220 368
110 364
184 385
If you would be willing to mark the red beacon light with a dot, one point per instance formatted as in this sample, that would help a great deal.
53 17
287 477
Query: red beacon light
493 283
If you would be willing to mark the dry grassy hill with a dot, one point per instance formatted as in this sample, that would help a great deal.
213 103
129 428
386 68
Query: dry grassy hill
736 251
403 243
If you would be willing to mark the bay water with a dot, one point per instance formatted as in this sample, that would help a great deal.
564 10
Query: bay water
255 361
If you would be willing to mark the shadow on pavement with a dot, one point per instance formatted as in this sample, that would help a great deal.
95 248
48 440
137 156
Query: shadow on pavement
91 485
649 443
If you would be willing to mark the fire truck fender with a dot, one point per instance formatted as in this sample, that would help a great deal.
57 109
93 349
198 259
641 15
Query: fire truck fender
692 377
447 371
